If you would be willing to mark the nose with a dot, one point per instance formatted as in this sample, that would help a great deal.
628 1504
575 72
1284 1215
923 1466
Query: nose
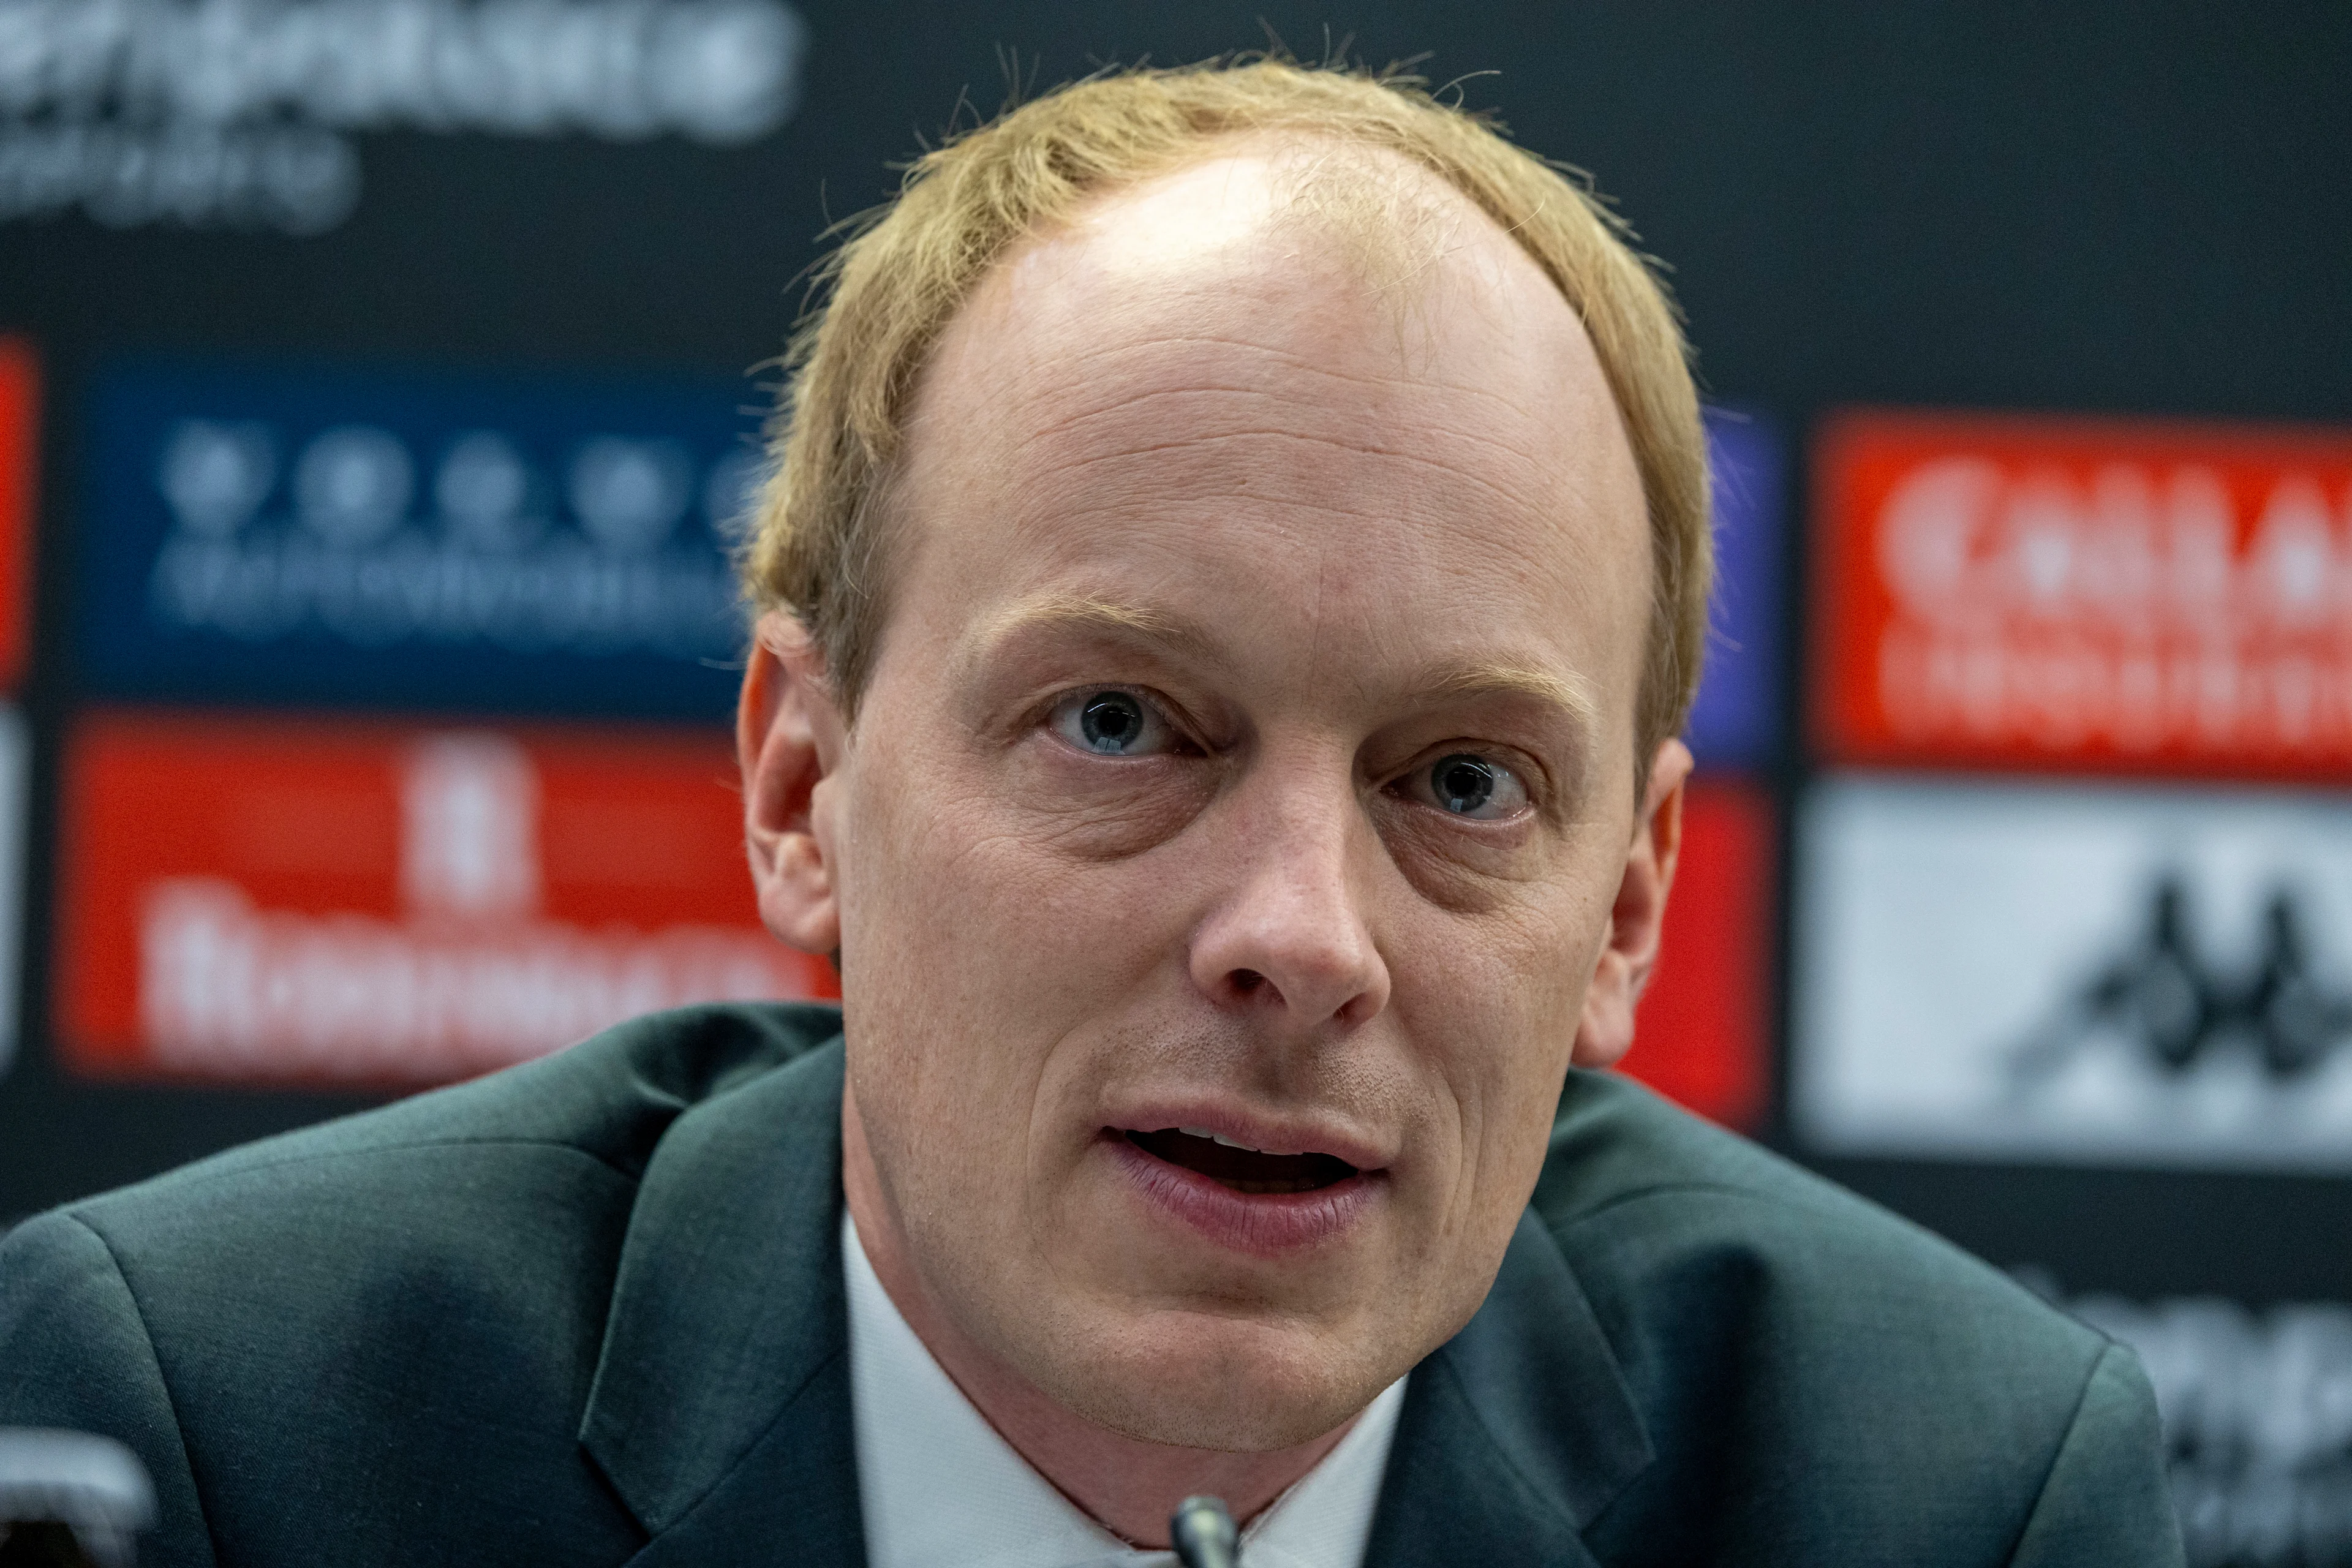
1290 937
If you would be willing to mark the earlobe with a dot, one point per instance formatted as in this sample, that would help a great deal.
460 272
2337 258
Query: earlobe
788 742
1605 1031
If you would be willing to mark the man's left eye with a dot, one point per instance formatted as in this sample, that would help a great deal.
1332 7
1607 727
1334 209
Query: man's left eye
1466 784
1112 722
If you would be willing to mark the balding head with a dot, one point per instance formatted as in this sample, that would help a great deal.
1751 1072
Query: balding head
1282 320
1249 747
891 291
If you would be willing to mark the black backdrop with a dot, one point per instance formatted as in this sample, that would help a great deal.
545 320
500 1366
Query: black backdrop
2141 207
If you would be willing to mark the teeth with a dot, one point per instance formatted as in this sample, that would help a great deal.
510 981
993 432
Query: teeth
1215 1137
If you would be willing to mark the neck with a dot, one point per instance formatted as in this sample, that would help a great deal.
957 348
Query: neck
1127 1485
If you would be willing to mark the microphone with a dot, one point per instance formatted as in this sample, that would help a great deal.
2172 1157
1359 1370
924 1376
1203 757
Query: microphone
1204 1535
68 1499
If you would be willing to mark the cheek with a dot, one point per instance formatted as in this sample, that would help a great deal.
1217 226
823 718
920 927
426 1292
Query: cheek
1491 875
979 907
1515 937
1064 807
915 954
1502 990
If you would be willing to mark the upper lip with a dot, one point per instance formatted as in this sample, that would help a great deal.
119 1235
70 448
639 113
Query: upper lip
1268 1135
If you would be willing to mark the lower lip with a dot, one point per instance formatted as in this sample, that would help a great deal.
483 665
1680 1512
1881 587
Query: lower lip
1263 1225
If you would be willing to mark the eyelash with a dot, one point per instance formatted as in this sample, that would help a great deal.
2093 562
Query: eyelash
1409 783
1067 712
1075 702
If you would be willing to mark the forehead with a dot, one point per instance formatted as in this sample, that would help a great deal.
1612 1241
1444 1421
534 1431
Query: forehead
1279 372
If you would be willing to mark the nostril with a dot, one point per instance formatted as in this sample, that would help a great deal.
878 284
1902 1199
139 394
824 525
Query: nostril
1246 981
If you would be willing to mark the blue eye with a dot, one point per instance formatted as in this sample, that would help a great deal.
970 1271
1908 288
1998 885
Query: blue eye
1466 784
1111 723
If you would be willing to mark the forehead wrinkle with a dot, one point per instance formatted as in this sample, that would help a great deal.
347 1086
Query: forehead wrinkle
1090 366
1494 479
1485 485
1494 465
1104 509
1134 403
1159 344
1089 362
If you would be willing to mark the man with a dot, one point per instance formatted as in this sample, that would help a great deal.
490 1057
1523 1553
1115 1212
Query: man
1234 576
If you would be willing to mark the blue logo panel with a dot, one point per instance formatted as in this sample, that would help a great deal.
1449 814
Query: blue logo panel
415 541
1735 720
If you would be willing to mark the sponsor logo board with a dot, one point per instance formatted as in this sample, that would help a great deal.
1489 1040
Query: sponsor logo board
348 538
1703 1026
2257 1409
280 900
2116 974
237 114
2045 593
1735 722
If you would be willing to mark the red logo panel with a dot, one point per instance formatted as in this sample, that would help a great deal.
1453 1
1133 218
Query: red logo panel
2115 594
280 900
20 458
1703 1027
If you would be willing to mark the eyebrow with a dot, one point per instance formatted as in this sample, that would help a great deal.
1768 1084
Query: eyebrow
1088 614
1571 694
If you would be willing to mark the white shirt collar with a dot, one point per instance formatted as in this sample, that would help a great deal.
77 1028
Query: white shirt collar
938 1486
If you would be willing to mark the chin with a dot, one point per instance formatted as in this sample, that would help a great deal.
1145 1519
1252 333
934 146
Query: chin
1199 1379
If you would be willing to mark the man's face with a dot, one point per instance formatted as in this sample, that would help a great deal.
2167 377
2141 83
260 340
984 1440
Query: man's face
1232 823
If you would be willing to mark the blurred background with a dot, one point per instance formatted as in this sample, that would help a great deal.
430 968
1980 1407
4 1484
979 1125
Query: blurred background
377 381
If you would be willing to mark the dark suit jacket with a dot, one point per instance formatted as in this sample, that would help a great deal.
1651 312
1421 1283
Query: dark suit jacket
589 1311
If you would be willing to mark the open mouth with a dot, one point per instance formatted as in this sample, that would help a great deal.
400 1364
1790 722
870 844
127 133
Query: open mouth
1242 1169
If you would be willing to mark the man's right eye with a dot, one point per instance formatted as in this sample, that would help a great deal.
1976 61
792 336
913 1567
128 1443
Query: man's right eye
1112 722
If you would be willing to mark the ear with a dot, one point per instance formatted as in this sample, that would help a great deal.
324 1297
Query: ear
789 742
1605 1032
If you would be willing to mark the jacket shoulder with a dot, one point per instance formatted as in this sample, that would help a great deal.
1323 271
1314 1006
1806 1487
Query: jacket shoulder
503 1201
1632 1184
405 1304
1803 1357
610 1098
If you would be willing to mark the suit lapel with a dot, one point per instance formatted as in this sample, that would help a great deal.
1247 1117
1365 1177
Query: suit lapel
720 1410
1515 1433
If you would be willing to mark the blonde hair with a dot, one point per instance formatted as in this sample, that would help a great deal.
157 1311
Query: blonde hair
886 293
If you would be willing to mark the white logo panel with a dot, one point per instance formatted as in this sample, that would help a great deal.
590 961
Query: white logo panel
2092 974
